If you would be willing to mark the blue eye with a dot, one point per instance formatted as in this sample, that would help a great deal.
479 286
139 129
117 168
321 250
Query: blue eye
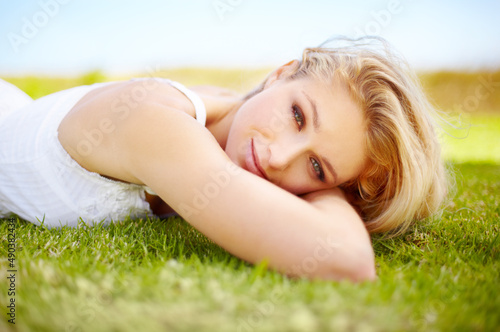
298 116
318 169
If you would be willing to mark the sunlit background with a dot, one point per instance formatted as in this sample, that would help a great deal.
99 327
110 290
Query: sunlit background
52 45
151 275
67 37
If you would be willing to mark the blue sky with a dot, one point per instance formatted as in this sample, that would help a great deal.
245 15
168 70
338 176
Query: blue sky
65 37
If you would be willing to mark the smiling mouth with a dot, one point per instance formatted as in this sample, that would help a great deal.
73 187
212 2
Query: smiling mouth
257 168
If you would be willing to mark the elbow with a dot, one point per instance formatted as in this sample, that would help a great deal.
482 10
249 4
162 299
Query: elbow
356 266
360 265
358 270
354 262
364 271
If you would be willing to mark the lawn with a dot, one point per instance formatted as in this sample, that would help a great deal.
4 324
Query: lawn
162 275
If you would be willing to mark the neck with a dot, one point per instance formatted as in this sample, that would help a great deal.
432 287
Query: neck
221 107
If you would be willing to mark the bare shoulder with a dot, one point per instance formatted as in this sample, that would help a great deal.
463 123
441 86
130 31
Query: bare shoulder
124 97
94 131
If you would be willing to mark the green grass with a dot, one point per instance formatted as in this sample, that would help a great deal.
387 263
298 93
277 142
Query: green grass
162 275
155 275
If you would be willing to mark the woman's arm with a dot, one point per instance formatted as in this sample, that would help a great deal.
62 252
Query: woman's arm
166 149
319 236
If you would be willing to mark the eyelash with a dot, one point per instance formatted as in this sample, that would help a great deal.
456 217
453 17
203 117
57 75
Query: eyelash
298 117
297 112
319 171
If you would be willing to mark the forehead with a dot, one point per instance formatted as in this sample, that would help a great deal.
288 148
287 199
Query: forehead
341 135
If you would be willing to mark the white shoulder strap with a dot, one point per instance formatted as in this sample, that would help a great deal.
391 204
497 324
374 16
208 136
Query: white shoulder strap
199 107
201 112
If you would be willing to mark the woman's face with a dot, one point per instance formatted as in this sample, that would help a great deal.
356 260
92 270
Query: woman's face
302 135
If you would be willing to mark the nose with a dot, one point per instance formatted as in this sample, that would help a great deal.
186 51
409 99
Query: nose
281 156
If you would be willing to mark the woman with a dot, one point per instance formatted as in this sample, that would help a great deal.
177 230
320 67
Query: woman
298 172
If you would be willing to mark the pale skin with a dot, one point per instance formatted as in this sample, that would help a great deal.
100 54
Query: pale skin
273 165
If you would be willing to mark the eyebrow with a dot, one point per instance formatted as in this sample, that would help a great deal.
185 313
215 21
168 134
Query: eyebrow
316 121
317 124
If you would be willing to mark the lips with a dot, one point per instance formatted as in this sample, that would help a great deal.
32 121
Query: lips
252 161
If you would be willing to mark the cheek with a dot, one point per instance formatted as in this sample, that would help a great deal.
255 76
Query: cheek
239 135
299 186
235 144
261 108
297 181
253 117
260 117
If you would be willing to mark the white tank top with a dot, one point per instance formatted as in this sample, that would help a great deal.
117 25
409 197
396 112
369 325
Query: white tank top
40 182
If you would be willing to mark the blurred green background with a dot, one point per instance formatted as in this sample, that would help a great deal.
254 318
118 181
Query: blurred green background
157 275
468 102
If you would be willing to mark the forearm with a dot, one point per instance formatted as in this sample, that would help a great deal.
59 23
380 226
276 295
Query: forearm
245 214
256 220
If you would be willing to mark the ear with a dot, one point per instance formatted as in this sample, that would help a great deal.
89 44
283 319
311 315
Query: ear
282 72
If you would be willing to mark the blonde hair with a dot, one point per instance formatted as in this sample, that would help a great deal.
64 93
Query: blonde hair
405 178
